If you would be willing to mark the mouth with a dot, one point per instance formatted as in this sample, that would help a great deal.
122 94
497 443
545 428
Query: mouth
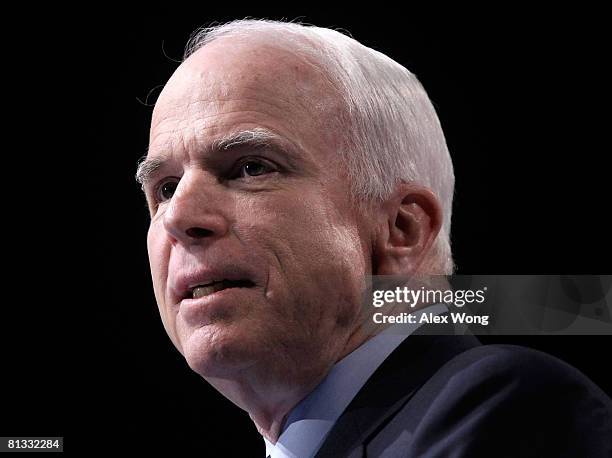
207 289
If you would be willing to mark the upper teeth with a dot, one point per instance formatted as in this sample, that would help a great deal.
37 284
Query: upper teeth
205 290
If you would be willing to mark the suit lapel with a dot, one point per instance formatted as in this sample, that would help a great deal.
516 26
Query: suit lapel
390 387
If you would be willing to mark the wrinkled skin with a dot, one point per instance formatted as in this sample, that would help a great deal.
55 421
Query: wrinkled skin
291 229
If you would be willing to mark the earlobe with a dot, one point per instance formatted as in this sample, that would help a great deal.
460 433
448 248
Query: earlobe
413 221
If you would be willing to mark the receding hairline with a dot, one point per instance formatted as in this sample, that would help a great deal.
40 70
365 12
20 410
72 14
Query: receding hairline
302 48
206 35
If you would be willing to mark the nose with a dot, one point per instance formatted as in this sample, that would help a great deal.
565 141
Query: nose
195 212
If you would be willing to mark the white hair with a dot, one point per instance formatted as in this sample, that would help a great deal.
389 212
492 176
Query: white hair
393 135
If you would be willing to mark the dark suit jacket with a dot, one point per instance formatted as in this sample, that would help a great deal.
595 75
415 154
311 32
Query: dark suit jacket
450 396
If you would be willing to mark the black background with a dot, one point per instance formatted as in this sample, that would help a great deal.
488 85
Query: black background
521 98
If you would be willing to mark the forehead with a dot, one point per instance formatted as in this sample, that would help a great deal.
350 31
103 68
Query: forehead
230 81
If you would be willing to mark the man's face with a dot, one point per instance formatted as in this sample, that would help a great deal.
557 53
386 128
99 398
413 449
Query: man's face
268 230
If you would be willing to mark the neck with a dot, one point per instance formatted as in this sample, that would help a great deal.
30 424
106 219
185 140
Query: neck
269 403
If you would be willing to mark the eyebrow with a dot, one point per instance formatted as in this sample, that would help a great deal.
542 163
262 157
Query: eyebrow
253 138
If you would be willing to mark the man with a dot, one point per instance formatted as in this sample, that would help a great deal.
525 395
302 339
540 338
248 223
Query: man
288 164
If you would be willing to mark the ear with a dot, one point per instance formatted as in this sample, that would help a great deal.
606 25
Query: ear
412 218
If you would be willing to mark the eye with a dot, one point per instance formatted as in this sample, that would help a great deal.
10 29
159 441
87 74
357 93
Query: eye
254 168
165 190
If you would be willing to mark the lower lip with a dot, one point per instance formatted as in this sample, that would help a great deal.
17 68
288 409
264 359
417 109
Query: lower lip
205 308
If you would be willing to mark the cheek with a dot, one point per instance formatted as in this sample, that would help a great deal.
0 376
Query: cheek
328 242
335 280
316 260
158 259
158 248
340 274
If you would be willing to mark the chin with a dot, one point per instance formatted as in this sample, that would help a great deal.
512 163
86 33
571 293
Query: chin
216 351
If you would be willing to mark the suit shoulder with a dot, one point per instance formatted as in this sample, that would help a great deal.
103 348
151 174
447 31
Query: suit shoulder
502 400
513 376
516 364
508 379
512 360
